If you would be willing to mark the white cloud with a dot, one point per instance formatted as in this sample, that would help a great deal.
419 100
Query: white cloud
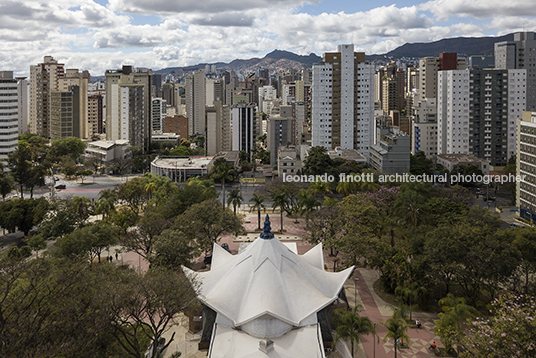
196 6
480 9
86 35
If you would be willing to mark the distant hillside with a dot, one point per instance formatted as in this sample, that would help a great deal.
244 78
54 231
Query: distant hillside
462 45
277 59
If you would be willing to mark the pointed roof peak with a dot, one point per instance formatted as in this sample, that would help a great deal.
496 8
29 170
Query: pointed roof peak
267 231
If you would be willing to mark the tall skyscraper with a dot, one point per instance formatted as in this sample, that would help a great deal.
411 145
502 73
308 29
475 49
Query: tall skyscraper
477 112
343 101
43 81
23 93
243 127
73 87
520 54
128 106
526 166
195 102
158 113
95 114
9 114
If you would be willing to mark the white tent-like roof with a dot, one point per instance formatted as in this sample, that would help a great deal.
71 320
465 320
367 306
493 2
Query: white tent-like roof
267 290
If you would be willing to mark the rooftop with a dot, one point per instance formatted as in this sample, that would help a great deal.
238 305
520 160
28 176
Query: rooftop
461 158
182 162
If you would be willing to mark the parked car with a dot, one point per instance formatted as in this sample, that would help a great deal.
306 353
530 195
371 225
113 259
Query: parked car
61 186
226 247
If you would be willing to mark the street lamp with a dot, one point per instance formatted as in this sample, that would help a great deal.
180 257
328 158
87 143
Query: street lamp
374 338
355 291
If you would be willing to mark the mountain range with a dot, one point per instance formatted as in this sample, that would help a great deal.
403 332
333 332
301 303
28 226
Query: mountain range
464 46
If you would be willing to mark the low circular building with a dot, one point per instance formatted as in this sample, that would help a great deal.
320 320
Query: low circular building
181 168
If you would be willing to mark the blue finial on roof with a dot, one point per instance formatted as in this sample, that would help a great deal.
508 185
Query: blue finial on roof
267 231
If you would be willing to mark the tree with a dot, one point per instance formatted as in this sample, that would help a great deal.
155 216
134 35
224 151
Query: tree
206 222
51 308
419 164
172 250
324 226
509 332
350 325
83 173
65 216
20 164
89 241
222 171
105 206
133 193
7 184
142 237
22 214
68 166
235 198
258 205
455 313
71 146
147 303
409 204
410 293
279 200
317 161
396 329
182 151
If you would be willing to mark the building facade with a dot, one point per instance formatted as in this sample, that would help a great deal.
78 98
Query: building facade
520 54
477 112
195 102
9 115
343 101
526 166
128 106
43 81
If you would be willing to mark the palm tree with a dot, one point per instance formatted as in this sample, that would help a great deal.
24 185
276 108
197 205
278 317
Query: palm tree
350 325
106 203
319 187
409 204
455 313
410 292
396 329
348 186
235 198
279 200
307 202
222 170
258 204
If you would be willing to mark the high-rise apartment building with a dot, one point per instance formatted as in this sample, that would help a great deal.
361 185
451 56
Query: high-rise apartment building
95 115
526 166
477 112
520 54
43 81
195 102
158 113
219 130
128 106
343 101
73 87
9 114
243 127
23 94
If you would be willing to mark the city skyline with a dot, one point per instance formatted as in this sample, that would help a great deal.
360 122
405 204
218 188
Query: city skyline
96 35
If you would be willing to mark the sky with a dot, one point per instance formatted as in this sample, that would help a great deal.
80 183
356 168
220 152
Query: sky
96 35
